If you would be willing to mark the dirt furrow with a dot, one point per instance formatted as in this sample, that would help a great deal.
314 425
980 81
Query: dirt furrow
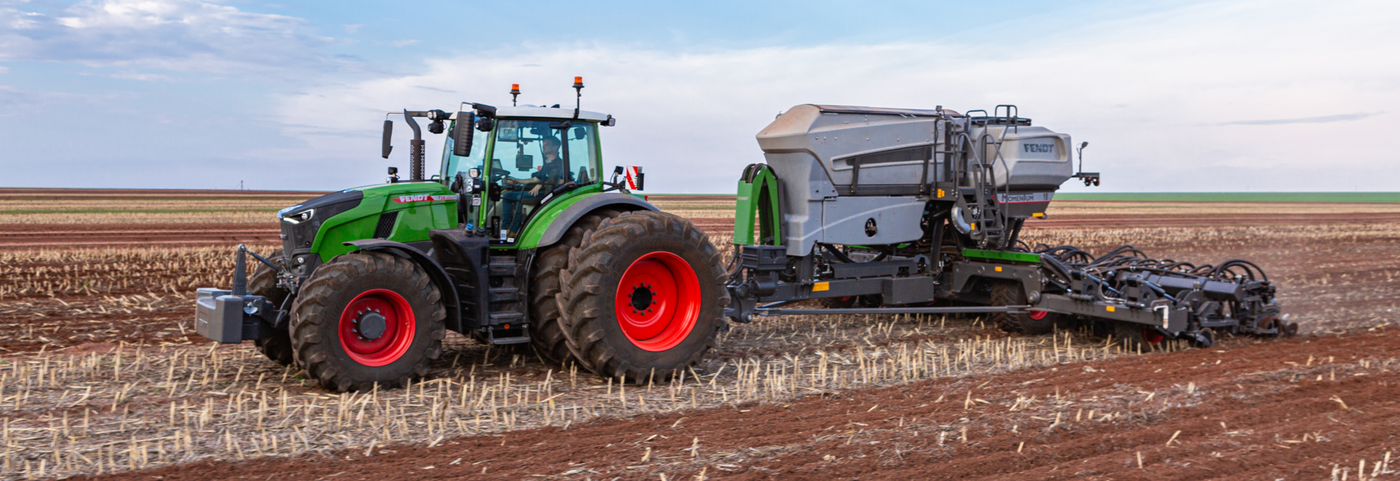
1266 394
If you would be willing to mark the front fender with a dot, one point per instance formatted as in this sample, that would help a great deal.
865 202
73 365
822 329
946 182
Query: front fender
435 272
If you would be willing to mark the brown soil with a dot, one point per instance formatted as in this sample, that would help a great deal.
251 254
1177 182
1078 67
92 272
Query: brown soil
1080 221
47 236
1290 409
1246 410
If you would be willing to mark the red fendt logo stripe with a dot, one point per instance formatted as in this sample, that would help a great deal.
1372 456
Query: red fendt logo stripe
409 199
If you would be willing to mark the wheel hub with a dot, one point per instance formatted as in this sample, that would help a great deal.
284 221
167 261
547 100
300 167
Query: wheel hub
641 298
371 325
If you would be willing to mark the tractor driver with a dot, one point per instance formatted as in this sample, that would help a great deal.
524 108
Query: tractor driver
551 174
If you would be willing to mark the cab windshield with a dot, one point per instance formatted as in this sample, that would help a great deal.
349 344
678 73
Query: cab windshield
530 160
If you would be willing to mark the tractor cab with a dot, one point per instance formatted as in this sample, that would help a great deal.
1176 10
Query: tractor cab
536 155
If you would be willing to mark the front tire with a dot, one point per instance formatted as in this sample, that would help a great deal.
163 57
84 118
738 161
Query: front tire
278 346
367 318
643 297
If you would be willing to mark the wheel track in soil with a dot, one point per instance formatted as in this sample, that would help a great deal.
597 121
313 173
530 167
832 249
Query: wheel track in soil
1262 399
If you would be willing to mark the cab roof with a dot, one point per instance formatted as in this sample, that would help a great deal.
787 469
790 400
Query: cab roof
531 111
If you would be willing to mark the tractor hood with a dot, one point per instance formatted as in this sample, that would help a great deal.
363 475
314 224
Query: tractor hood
299 223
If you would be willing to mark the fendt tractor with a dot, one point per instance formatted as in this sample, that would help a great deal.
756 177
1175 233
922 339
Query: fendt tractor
520 240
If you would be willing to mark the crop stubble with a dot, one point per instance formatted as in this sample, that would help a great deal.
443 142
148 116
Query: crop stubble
84 308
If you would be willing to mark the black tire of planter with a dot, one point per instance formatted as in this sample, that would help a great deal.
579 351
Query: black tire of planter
278 346
660 245
331 302
1136 337
546 333
838 302
1034 322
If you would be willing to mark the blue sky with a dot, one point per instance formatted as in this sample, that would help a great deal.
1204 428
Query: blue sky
1172 96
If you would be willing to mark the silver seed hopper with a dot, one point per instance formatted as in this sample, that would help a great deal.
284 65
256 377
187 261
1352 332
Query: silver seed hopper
841 166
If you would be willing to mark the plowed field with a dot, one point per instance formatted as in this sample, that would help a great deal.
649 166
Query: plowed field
100 371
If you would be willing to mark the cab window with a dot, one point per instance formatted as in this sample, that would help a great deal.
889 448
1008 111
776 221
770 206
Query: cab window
452 164
530 160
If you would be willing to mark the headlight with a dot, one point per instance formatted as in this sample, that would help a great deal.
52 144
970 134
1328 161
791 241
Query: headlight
299 217
284 211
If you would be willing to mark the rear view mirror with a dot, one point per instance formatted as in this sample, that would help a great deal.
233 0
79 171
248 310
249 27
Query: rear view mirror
388 135
580 132
524 162
462 134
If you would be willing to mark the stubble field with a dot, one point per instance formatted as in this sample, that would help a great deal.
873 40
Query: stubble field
101 374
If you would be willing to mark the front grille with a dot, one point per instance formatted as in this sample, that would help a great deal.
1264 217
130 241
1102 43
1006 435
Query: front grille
386 225
289 238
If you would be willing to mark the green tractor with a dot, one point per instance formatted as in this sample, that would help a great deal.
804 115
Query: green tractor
519 239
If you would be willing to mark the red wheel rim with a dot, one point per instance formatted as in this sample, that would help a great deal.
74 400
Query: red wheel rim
1038 315
658 301
1151 336
378 345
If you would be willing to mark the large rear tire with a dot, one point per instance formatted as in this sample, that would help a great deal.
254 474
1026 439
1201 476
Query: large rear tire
546 333
278 346
367 318
1033 322
643 297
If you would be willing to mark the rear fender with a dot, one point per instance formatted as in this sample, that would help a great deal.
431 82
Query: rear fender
566 217
435 272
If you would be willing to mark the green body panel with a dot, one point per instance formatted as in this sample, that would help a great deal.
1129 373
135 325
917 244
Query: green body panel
1002 256
540 221
757 199
416 216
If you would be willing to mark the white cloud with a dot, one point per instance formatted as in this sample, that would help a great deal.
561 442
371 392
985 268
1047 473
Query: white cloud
178 35
1149 92
4 69
352 28
403 43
